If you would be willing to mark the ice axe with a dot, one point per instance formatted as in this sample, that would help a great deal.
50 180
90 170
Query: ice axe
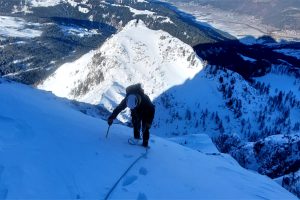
107 131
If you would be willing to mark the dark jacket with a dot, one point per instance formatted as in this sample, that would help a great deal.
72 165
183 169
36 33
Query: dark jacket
144 111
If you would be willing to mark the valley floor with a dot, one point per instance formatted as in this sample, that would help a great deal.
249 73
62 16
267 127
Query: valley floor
244 27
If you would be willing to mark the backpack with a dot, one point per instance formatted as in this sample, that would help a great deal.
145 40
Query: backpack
134 89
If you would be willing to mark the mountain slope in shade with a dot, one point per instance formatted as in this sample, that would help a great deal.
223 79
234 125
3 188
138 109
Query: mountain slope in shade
48 150
159 61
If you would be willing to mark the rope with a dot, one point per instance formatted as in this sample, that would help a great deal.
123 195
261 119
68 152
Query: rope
115 185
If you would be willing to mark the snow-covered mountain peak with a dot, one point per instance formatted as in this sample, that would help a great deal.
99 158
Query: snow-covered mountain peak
135 54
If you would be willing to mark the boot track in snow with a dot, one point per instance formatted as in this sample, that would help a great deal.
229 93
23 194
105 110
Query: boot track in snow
127 170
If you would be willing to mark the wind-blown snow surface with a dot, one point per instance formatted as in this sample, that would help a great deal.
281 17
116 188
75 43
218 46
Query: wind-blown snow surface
135 54
48 150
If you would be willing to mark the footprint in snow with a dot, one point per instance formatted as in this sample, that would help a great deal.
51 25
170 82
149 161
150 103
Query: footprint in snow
143 171
129 180
142 196
14 130
3 191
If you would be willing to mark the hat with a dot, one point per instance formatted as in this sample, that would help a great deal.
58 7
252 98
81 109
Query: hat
132 101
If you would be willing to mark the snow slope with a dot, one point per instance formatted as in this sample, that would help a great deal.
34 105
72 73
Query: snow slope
49 150
158 61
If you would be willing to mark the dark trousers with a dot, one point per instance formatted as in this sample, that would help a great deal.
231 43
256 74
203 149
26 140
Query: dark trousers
139 123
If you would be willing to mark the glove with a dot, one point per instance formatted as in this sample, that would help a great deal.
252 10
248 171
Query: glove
110 121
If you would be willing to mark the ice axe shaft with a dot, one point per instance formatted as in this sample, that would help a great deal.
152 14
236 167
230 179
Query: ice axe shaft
107 131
